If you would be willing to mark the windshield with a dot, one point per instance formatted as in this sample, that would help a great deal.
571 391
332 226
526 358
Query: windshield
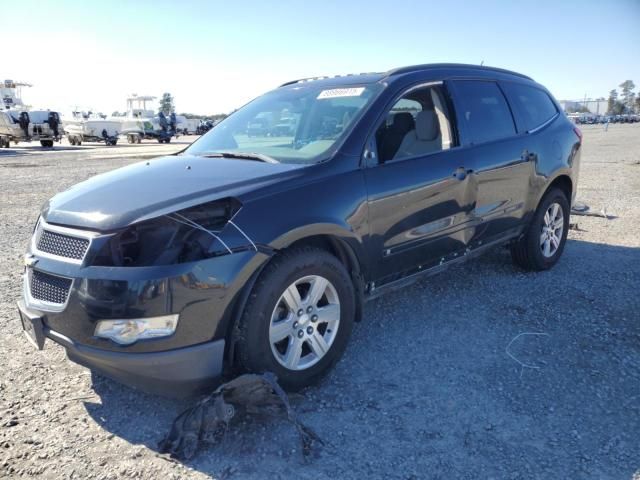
291 125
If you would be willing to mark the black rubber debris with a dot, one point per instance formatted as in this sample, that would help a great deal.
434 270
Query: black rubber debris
209 419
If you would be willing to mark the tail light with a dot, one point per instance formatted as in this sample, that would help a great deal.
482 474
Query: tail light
578 133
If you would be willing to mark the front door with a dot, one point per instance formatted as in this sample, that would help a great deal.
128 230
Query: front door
420 193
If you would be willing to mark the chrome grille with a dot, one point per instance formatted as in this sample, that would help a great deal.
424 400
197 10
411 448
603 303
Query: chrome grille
49 288
62 245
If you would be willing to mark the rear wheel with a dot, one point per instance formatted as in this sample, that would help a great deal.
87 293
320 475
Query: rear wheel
46 143
543 243
298 318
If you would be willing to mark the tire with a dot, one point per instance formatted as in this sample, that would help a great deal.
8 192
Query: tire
530 252
130 139
46 143
265 304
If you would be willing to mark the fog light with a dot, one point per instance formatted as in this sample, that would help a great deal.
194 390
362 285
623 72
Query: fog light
126 332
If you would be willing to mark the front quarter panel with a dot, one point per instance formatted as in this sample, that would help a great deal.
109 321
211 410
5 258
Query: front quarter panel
330 201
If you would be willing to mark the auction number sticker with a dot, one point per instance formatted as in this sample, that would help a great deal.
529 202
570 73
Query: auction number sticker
341 92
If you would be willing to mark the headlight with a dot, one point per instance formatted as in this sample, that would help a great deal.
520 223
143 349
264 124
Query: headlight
126 332
184 236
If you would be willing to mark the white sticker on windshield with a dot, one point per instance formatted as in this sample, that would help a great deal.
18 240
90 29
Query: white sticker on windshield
341 92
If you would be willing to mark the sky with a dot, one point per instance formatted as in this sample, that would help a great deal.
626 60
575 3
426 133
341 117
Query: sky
214 56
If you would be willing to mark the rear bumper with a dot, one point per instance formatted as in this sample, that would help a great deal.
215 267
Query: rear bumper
178 373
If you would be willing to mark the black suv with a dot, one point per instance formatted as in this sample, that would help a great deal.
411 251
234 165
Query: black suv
257 253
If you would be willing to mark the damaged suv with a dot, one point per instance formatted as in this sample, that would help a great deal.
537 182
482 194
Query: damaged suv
256 250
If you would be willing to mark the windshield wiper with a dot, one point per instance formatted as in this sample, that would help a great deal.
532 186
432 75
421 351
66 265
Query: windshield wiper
241 155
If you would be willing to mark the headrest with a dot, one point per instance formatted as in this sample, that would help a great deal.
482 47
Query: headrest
402 122
427 128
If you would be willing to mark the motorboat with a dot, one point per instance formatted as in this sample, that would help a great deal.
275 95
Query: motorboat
20 123
91 127
141 122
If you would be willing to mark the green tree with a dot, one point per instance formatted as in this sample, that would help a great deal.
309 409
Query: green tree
638 104
628 96
613 98
166 104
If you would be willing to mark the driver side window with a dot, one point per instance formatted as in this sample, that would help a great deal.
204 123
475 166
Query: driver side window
417 124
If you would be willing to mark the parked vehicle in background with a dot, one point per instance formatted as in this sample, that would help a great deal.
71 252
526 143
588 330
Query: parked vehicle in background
258 127
205 126
188 126
285 127
91 127
257 253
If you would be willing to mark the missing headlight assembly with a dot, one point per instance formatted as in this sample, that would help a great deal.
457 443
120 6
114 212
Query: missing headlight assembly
195 233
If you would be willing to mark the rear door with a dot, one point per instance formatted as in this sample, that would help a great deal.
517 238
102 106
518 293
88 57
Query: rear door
497 154
419 193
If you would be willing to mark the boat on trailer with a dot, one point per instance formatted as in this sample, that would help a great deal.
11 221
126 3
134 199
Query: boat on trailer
91 127
141 122
19 123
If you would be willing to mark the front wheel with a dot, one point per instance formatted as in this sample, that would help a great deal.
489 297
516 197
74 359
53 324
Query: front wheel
543 243
298 318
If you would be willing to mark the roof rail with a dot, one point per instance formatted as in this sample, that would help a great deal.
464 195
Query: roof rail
426 66
323 77
301 80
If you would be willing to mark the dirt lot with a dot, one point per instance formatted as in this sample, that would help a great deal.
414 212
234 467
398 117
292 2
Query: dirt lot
427 388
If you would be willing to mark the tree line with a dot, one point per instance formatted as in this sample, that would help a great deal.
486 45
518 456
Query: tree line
625 102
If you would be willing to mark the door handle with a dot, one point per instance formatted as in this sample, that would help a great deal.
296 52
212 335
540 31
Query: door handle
461 173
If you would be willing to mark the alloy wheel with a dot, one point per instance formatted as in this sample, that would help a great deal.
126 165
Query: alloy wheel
552 229
304 322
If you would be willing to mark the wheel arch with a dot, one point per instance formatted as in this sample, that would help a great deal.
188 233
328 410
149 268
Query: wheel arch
330 242
344 252
563 182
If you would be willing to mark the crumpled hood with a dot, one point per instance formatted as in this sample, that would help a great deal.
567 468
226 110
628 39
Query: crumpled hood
156 187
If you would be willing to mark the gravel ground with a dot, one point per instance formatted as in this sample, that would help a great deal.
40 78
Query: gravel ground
427 388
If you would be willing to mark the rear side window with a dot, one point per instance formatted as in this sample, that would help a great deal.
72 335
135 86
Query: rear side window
532 106
485 110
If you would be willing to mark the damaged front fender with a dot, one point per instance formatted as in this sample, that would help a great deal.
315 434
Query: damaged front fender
196 233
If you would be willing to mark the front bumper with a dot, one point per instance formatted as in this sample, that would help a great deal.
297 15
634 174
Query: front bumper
175 373
203 293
